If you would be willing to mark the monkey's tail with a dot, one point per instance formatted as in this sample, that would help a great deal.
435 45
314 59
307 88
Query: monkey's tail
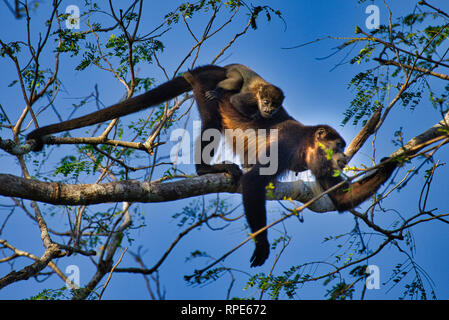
156 96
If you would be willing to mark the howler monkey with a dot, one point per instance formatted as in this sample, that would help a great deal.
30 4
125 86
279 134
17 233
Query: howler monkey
300 147
255 95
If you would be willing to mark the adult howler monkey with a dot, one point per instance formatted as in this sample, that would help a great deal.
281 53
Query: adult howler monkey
300 147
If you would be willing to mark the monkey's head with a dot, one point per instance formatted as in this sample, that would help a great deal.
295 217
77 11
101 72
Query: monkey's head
269 100
325 156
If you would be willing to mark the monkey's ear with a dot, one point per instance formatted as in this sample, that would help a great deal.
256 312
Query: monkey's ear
320 133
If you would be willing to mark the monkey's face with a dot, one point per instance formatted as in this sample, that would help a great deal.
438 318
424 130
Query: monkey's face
269 100
329 157
267 107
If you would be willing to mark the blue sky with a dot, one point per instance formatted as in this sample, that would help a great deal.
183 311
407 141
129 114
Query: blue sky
316 92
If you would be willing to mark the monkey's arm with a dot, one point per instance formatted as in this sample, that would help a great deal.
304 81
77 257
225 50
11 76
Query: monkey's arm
254 183
254 195
351 195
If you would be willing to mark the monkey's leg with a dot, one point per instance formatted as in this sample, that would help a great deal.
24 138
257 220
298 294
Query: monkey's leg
246 104
203 167
210 119
233 82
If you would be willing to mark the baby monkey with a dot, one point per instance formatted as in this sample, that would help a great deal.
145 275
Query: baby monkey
255 96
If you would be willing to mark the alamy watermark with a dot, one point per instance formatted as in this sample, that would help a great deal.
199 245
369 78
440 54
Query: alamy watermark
373 278
373 20
73 20
250 145
73 276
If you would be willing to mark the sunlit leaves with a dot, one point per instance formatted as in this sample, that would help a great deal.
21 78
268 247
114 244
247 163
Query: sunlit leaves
188 9
10 49
367 87
415 34
69 41
73 166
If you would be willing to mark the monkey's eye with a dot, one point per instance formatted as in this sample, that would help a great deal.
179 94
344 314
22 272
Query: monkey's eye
340 146
266 101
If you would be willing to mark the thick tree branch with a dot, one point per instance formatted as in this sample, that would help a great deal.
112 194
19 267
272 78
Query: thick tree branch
53 251
129 190
367 130
135 191
420 141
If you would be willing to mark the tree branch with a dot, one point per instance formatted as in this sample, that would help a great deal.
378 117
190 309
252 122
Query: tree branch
53 251
412 68
367 130
135 191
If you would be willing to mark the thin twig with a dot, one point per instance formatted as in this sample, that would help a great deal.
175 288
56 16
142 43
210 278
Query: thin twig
110 273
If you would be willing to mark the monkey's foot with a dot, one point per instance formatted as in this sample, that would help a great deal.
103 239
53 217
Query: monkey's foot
35 140
230 168
261 252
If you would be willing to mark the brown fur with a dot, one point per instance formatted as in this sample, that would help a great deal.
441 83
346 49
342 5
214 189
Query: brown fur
251 88
301 147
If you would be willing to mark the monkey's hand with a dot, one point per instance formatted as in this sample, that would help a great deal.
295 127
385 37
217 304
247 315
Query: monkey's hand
261 252
212 95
